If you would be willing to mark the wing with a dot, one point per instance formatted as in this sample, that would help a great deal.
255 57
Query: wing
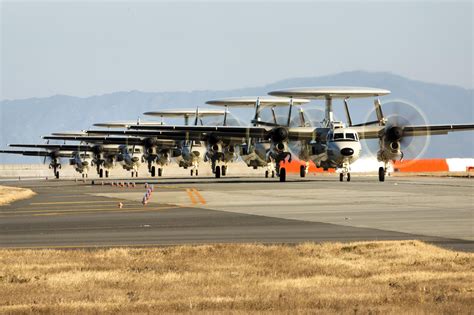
39 153
113 140
199 134
376 131
64 147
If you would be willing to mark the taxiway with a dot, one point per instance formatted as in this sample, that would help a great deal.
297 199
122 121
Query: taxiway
73 214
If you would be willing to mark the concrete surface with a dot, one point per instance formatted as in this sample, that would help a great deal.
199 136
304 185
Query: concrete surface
203 210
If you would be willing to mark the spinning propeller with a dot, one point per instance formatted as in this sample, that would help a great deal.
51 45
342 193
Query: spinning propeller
398 114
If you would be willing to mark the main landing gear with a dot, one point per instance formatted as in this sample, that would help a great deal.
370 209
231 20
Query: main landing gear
194 172
267 174
341 177
382 172
282 174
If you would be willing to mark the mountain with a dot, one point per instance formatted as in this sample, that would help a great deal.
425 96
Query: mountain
24 121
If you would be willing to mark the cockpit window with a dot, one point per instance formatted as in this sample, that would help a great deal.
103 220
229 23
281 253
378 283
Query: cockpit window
344 136
338 136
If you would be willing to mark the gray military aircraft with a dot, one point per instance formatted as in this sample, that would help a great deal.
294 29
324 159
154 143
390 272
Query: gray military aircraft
336 145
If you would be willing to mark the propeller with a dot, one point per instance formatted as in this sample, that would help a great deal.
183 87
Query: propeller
397 115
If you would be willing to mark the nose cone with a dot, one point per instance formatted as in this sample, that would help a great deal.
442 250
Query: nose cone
347 151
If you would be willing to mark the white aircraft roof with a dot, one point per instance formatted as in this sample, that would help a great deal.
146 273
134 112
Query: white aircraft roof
330 92
185 112
251 100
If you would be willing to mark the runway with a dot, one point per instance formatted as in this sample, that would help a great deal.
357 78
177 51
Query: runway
205 210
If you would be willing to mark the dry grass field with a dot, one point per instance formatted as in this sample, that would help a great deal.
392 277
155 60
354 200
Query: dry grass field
10 194
365 277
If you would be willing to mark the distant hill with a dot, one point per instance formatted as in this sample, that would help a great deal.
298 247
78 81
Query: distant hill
24 121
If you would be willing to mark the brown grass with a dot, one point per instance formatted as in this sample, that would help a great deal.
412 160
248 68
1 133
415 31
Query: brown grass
366 277
10 194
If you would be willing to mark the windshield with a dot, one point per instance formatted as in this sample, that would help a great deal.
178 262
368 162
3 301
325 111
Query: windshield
345 136
338 136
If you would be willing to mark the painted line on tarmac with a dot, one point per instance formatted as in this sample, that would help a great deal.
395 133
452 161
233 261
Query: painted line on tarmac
200 197
191 196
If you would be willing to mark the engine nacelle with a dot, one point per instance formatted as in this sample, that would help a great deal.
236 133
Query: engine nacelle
279 134
279 146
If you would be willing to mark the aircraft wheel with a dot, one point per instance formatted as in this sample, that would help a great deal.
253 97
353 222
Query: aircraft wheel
302 171
101 173
273 174
160 172
107 174
341 177
83 175
348 177
196 172
381 174
266 174
217 171
153 171
57 174
224 170
192 172
283 174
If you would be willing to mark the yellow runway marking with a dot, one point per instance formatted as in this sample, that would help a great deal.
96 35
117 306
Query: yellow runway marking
191 196
200 197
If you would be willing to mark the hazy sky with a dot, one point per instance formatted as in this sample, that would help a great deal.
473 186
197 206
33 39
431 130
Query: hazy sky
90 48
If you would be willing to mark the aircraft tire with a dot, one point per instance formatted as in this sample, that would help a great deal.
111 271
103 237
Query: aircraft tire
341 177
302 171
266 174
57 174
224 170
217 171
197 173
160 172
283 174
101 173
381 174
348 177
273 174
153 171
192 172
107 174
